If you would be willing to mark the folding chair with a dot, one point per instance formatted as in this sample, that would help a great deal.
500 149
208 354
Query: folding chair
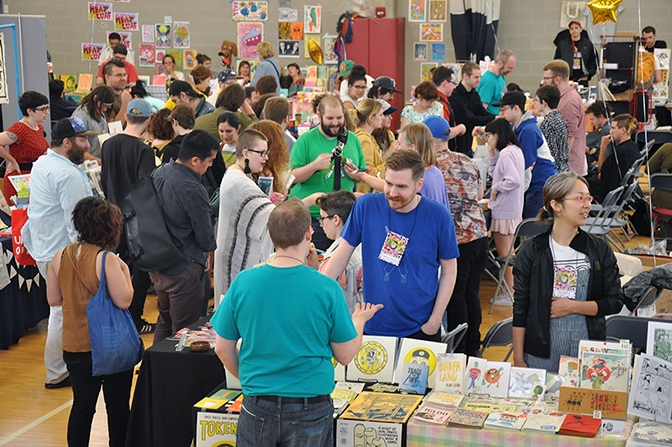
660 137
454 337
500 334
647 299
525 230
600 226
635 329
661 181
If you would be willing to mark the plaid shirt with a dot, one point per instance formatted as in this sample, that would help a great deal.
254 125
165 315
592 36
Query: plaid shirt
187 209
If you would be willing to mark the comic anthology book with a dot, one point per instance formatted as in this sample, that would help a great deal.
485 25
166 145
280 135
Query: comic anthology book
569 369
527 383
422 353
431 415
496 379
464 418
413 378
544 423
474 375
382 407
450 377
577 425
375 360
659 340
505 421
651 391
443 400
604 366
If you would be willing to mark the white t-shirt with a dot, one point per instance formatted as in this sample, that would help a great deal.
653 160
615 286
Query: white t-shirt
567 264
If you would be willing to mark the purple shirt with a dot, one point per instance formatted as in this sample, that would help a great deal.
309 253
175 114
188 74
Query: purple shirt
434 186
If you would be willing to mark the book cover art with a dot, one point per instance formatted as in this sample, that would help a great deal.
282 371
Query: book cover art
578 425
651 433
651 391
382 407
413 378
659 340
600 371
374 361
505 421
225 394
569 369
85 82
431 415
496 379
69 82
553 384
488 407
527 383
544 423
450 376
467 418
444 400
474 375
611 404
422 353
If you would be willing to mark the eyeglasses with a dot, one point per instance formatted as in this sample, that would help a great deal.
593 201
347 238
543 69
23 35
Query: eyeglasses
503 108
322 219
455 83
359 87
262 153
42 109
581 199
548 78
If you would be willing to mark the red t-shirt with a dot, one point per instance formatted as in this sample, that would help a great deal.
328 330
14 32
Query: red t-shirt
130 71
443 99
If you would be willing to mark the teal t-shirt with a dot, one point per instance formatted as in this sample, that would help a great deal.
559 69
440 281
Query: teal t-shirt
491 89
307 148
286 317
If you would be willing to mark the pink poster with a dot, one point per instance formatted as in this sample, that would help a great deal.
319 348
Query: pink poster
249 36
146 54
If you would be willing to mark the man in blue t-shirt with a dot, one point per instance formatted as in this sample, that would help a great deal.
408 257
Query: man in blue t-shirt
405 238
292 320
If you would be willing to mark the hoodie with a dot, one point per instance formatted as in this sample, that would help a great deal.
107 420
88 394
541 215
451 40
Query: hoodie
539 163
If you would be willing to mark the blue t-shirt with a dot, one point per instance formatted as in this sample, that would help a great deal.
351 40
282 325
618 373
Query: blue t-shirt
407 291
286 317
434 186
491 89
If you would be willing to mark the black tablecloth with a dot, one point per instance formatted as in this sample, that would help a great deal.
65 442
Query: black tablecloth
170 383
23 302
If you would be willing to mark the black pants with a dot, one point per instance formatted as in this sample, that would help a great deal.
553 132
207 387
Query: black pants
321 241
465 305
85 388
140 281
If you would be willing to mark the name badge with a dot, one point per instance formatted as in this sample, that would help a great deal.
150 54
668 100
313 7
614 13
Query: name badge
576 64
393 248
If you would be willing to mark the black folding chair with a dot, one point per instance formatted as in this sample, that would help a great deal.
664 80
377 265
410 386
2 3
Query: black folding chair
500 334
635 329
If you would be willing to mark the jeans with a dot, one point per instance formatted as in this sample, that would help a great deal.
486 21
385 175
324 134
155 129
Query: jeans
140 281
534 201
269 424
85 388
465 305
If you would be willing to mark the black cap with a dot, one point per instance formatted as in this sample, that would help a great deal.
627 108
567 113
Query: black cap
70 127
387 83
512 99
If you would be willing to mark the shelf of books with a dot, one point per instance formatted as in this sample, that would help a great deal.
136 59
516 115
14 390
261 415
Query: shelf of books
403 392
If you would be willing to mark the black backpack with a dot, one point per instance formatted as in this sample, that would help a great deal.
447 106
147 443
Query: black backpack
151 246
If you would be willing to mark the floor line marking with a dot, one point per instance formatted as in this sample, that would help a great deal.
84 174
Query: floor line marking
35 423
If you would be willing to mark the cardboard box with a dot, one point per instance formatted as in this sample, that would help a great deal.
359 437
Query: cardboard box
354 433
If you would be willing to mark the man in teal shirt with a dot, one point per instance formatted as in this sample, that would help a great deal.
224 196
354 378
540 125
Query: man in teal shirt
312 163
493 86
292 320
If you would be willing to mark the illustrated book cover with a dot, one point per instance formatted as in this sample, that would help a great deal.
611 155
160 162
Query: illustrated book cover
382 407
578 425
474 375
413 378
374 361
527 383
544 423
464 418
422 353
450 376
430 415
500 420
496 379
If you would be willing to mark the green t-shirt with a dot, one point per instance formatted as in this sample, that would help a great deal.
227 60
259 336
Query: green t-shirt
307 148
286 317
208 122
491 89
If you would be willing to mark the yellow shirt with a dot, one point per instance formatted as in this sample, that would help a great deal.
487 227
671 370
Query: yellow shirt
374 161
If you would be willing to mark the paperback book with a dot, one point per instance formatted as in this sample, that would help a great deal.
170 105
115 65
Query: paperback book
464 418
444 400
450 376
543 423
496 379
413 378
505 421
474 375
529 383
375 360
606 367
578 425
422 353
569 370
382 407
430 415
651 391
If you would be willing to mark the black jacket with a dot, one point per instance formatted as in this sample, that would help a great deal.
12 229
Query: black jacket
468 110
533 273
565 51
616 165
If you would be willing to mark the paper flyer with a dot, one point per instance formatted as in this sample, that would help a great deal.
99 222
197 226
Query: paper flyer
181 35
92 51
100 11
250 35
249 11
162 35
312 19
148 33
126 21
146 54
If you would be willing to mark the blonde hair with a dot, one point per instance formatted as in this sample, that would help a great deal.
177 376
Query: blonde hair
265 50
365 109
626 121
420 136
557 188
559 68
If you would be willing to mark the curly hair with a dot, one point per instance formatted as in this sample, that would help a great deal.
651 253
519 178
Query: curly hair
278 154
98 222
160 125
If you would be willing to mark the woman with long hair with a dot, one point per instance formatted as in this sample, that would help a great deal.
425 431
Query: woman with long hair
277 164
161 130
73 279
566 280
92 111
367 117
507 170
228 127
244 71
427 95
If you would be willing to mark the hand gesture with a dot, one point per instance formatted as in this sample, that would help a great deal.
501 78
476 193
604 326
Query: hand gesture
352 171
478 131
12 166
322 162
561 307
311 259
365 311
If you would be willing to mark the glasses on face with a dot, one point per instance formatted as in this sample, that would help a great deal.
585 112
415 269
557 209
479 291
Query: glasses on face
453 82
504 108
581 199
359 87
322 219
263 154
42 109
549 78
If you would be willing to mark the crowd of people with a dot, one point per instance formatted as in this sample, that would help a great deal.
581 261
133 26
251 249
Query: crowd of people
398 220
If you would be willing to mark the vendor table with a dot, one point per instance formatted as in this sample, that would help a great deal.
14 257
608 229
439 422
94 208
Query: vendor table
23 302
169 384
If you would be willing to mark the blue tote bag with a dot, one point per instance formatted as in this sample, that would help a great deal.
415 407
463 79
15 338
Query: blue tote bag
115 343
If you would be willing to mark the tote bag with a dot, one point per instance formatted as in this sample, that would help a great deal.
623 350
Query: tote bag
115 343
19 219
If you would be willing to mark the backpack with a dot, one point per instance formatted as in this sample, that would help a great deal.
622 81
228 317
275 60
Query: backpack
151 246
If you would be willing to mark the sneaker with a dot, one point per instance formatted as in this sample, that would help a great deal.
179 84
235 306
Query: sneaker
63 383
147 328
503 299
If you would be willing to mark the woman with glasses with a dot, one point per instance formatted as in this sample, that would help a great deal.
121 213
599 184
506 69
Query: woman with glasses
566 280
169 69
277 164
25 139
427 95
92 111
356 91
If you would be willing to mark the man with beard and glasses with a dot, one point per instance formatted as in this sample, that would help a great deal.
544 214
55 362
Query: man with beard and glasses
56 185
313 163
405 238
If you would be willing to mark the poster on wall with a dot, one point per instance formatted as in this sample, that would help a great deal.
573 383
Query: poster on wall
249 36
126 38
431 32
284 31
306 46
100 11
177 57
417 10
438 10
328 49
148 33
90 51
312 19
250 11
126 21
289 48
181 35
438 52
159 56
146 54
425 67
420 51
288 15
162 37
190 59
296 30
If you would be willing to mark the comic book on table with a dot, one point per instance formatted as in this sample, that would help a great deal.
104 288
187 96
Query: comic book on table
420 352
578 425
473 376
382 407
496 379
651 393
659 340
374 361
447 401
429 415
604 366
413 378
450 376
569 369
464 418
543 423
501 420
527 383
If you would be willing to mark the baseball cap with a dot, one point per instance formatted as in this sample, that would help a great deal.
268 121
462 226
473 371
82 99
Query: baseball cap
70 127
388 109
512 99
438 126
229 73
387 83
139 108
345 68
574 22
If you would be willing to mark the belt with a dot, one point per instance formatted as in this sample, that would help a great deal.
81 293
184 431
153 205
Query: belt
294 400
26 166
